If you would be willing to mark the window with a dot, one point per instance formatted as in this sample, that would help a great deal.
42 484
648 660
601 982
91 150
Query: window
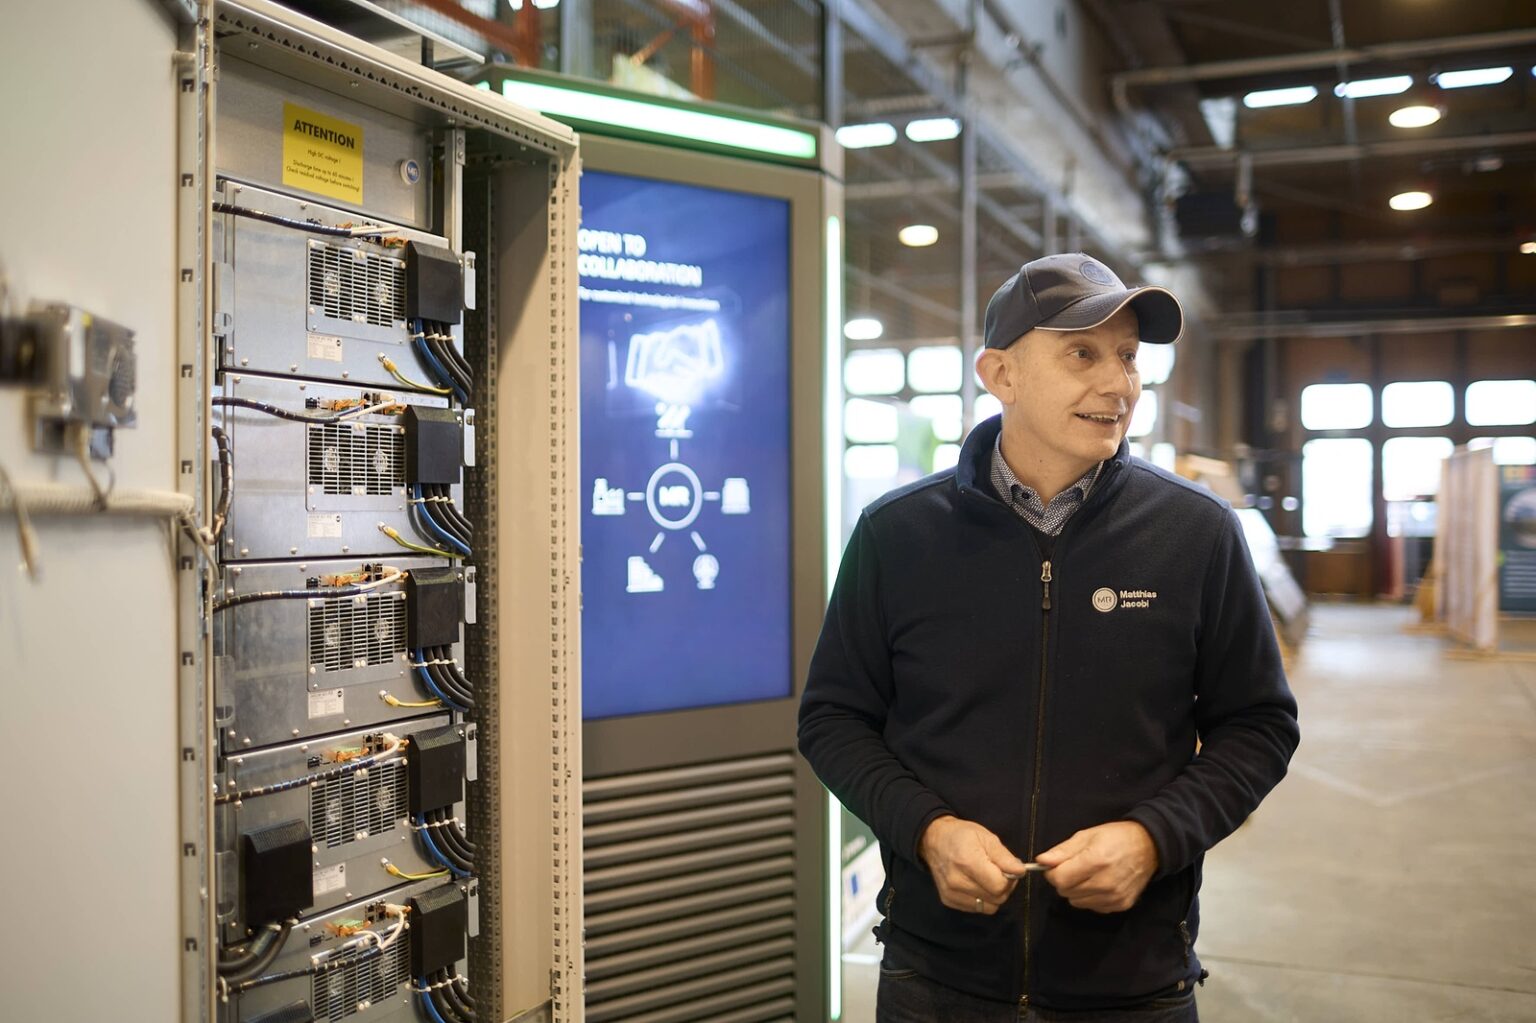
871 462
1508 450
1155 363
945 455
1336 487
1336 406
869 422
934 370
1418 403
987 406
874 371
1410 466
1144 418
1501 402
1164 456
943 411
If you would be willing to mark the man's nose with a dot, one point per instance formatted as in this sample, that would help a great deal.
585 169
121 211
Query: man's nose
1117 380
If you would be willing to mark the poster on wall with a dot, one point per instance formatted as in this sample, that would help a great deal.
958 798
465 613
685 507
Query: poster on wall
1517 538
685 306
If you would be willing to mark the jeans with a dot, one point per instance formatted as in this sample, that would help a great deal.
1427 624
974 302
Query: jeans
906 997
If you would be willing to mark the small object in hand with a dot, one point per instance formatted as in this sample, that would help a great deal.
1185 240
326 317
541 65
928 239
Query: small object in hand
1029 868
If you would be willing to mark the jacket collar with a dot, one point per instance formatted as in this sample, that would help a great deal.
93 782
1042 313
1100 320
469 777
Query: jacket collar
973 472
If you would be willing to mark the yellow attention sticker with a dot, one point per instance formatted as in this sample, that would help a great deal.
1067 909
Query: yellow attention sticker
322 154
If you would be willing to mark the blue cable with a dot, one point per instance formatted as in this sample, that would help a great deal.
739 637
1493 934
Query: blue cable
448 538
426 679
426 837
443 376
426 1000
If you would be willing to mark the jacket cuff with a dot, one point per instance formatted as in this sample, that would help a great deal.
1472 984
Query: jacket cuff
921 810
1149 817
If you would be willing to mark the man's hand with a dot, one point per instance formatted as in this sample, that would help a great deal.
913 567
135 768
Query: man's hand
1103 869
969 865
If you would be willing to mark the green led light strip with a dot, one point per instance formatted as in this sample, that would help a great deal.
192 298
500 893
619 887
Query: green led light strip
638 115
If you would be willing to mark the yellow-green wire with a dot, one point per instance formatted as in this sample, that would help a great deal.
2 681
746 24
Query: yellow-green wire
394 534
394 701
395 871
394 371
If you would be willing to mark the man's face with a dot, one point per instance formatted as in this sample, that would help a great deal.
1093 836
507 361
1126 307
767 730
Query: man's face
1071 393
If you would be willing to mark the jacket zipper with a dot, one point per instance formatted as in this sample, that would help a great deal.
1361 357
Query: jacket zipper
1034 798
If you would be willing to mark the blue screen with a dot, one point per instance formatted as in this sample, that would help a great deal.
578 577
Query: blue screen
684 298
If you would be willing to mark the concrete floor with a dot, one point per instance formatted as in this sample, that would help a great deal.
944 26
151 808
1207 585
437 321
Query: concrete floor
1392 876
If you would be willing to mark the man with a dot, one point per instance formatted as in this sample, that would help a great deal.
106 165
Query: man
1020 657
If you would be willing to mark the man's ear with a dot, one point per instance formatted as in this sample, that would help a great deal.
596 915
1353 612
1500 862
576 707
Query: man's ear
997 372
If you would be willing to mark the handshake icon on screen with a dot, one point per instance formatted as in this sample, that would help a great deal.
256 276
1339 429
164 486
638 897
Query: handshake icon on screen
675 365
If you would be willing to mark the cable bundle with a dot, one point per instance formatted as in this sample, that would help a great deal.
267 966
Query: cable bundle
434 343
445 998
439 519
440 674
236 965
445 841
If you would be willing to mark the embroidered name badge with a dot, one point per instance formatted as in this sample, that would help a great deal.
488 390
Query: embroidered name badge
1106 599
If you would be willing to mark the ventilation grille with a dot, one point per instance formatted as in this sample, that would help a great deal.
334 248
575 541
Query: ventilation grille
358 804
356 459
355 632
356 286
690 885
352 988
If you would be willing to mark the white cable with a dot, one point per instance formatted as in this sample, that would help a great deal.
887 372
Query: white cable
354 413
25 535
391 575
65 499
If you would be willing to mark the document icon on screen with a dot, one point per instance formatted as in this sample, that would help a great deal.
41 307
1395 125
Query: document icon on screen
643 578
606 500
735 498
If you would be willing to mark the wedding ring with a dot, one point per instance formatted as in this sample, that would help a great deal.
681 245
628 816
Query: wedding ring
978 904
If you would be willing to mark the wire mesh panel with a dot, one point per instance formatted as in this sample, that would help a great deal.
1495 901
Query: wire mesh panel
357 805
357 286
355 632
355 459
356 986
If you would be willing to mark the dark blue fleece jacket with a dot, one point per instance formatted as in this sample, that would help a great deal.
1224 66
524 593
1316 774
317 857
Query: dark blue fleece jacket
950 678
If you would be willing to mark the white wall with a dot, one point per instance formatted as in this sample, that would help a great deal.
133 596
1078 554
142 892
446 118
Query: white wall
87 655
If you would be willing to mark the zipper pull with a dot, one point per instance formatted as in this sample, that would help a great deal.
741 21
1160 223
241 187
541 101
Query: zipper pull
1045 580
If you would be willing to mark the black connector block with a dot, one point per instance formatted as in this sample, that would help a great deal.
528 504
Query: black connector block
434 445
22 352
434 284
439 921
434 607
434 770
278 876
298 1012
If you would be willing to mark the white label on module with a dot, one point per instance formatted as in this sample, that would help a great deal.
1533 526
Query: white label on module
326 703
325 346
330 879
325 527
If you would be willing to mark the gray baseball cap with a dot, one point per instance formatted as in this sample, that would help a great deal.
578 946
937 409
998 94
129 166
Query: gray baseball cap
1074 291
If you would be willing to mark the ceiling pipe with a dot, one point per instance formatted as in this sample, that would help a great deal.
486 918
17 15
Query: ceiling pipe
1216 156
1319 59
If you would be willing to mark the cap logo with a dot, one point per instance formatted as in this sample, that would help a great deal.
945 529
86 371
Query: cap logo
1096 273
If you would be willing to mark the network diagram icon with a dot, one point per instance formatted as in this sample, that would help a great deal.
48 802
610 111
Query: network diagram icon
675 366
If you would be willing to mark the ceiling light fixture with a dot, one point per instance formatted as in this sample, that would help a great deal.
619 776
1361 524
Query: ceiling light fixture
933 129
918 236
866 136
1414 116
1410 200
1280 97
1472 77
1529 248
865 328
1373 87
